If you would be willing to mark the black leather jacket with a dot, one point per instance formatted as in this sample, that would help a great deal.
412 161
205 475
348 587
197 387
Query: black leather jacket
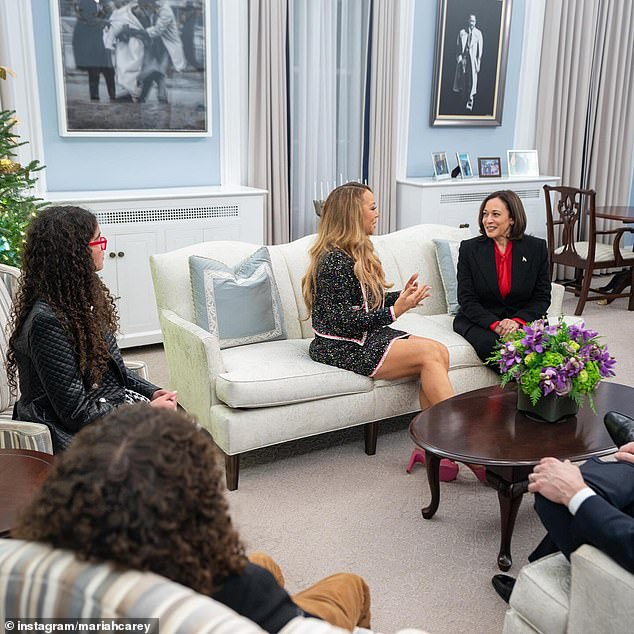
52 388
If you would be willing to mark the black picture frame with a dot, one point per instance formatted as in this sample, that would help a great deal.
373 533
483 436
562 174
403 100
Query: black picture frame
149 96
453 101
489 167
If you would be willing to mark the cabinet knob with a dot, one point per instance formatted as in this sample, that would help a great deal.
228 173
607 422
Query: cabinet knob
112 254
121 254
464 225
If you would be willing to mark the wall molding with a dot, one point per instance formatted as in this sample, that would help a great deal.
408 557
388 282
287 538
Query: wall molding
233 30
21 93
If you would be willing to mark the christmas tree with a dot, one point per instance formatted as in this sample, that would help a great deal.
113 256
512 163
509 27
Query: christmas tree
17 205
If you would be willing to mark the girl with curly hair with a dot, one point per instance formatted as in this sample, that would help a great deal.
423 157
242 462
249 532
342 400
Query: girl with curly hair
345 288
62 347
143 489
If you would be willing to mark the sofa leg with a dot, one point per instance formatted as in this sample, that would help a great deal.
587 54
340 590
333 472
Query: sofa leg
232 471
371 432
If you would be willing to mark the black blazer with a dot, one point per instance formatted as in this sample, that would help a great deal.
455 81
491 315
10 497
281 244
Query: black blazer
599 523
478 291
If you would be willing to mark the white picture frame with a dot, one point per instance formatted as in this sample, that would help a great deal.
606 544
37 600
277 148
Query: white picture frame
440 165
174 103
464 163
522 163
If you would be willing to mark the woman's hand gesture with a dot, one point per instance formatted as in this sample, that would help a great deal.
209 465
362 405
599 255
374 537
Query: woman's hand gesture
411 295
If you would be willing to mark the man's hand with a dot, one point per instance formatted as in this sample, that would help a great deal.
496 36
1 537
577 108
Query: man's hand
555 480
626 453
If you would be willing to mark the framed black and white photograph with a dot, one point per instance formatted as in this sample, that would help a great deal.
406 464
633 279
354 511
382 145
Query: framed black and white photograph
489 167
472 40
522 162
464 164
441 166
132 67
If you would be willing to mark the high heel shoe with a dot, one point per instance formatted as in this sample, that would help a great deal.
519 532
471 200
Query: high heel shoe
479 471
447 472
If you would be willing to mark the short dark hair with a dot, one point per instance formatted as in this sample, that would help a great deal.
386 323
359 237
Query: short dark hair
141 488
516 211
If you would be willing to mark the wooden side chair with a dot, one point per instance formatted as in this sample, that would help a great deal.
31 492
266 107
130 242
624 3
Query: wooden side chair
569 212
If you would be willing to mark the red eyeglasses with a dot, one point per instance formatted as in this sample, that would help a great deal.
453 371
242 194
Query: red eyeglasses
102 242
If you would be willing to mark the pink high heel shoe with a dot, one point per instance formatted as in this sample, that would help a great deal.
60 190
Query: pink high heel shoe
447 472
479 471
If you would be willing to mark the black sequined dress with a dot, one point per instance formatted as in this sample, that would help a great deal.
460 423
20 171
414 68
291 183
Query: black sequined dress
348 334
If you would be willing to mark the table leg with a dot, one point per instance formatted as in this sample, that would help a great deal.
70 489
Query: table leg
510 497
432 464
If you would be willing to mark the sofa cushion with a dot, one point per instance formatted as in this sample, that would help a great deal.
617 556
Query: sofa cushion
447 257
241 305
280 373
440 328
542 594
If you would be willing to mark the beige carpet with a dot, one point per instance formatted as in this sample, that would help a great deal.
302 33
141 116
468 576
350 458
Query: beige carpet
321 505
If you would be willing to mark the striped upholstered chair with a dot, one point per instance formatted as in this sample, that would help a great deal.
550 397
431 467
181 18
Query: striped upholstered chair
37 581
15 434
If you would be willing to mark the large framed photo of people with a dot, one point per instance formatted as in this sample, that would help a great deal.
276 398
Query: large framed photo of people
472 39
132 67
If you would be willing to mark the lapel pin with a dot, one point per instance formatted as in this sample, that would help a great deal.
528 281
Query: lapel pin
523 259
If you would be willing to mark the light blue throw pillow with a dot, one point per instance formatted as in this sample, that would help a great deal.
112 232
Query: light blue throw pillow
447 257
239 305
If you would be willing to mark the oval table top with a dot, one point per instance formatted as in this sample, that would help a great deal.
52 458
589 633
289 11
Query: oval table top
485 427
21 473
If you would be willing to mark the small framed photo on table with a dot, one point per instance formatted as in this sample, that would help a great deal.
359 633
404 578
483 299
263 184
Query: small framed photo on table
489 167
441 167
522 162
464 164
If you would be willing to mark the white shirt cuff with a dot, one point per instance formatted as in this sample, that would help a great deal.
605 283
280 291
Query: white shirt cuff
579 498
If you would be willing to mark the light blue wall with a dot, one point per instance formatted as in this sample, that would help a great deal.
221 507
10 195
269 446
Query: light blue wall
423 138
98 163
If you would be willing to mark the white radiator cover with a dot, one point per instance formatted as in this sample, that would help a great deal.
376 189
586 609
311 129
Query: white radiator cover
139 223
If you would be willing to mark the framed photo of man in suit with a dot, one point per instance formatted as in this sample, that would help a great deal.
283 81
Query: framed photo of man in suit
470 62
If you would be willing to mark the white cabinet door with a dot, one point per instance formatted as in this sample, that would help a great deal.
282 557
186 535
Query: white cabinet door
136 304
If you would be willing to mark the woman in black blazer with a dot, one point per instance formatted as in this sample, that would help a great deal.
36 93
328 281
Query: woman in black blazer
503 275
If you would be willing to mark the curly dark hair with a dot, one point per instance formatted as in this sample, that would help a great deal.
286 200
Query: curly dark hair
141 488
57 268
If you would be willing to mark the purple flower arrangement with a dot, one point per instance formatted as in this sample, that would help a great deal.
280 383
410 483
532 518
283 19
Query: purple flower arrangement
560 359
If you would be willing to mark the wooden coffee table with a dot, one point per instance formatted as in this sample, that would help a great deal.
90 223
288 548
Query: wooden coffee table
21 473
484 427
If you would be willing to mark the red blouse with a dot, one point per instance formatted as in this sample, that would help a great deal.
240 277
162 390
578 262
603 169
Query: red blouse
504 268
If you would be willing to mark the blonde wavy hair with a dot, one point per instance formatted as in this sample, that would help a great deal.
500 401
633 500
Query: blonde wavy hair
342 227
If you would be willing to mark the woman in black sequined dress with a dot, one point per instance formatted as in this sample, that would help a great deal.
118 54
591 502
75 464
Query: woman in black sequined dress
345 290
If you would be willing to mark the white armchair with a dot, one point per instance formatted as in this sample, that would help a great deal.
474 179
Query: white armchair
589 594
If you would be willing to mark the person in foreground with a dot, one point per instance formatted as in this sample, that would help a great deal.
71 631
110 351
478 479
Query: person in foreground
503 275
593 505
345 291
62 345
143 489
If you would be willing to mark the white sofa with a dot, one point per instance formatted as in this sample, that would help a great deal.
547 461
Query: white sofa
263 394
589 594
38 582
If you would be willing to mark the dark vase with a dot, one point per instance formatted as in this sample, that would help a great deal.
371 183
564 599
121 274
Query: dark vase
551 408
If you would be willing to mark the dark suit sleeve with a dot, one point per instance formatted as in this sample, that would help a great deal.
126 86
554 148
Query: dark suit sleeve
537 304
470 305
599 523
